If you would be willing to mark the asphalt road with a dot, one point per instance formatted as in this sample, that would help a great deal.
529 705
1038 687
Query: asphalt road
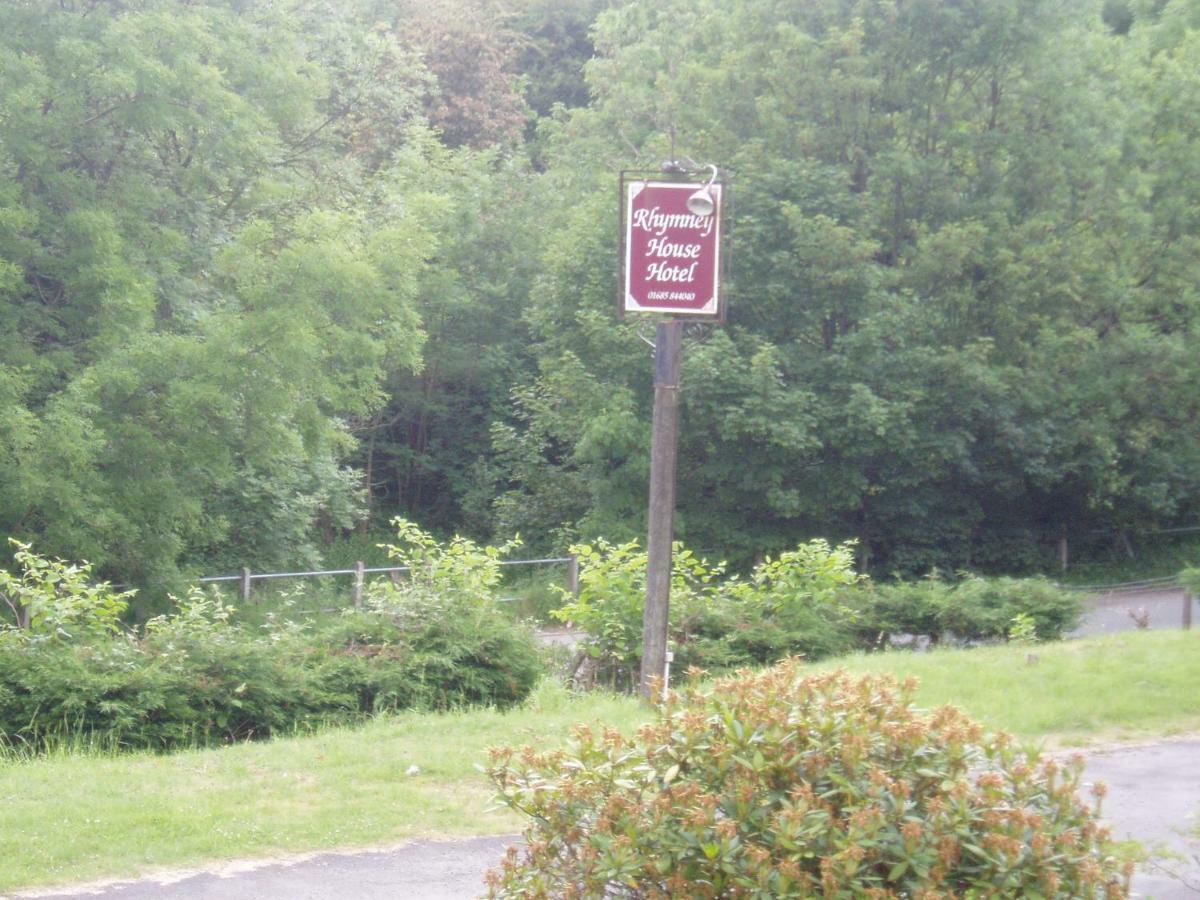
1154 797
1110 612
425 870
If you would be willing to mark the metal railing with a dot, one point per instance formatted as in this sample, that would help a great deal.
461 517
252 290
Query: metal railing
1126 587
246 578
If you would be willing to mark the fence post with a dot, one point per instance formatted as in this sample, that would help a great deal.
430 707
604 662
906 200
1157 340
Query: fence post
245 585
358 583
573 575
1187 609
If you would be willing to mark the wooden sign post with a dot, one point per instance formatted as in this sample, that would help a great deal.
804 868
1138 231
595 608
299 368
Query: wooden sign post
670 258
664 442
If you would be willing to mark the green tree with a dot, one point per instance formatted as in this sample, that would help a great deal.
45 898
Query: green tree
205 273
962 237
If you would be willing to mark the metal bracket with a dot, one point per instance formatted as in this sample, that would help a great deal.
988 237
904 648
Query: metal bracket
696 333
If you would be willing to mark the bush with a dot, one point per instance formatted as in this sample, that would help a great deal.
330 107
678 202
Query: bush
57 600
124 696
984 608
738 634
814 575
437 638
790 604
809 601
795 604
196 678
612 599
178 688
913 607
970 609
433 654
780 785
459 569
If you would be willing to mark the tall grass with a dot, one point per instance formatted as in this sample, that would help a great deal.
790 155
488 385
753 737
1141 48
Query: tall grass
57 740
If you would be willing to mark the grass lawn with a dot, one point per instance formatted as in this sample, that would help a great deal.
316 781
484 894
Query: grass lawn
72 818
1122 687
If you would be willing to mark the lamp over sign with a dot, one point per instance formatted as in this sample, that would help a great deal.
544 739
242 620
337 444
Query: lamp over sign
702 203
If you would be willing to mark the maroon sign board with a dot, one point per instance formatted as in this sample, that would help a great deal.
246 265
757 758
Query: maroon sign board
671 257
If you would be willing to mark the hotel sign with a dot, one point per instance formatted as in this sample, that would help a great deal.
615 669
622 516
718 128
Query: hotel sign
671 255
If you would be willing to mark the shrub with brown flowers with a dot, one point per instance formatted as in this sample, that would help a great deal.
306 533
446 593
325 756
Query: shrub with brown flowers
785 785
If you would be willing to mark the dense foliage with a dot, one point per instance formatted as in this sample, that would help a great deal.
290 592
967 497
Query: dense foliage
808 601
178 687
196 677
781 785
968 609
959 256
274 270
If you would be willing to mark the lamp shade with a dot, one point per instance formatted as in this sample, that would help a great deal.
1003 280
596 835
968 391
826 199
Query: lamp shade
701 202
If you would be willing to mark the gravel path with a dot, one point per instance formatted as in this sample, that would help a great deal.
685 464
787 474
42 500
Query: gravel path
1154 797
